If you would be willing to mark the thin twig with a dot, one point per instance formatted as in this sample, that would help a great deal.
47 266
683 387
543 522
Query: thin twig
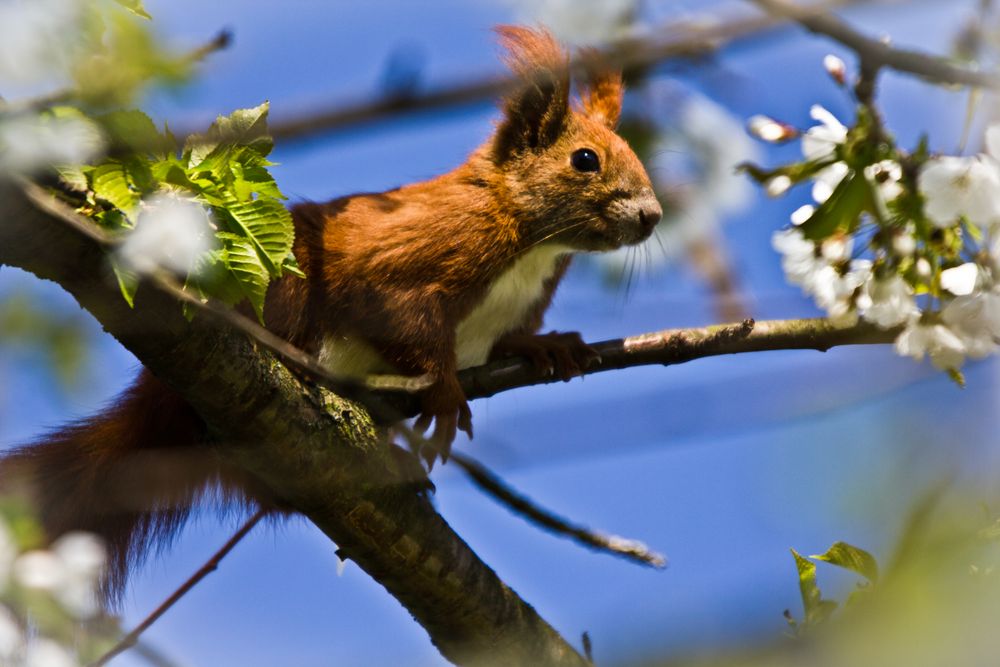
222 40
491 484
878 53
210 566
671 40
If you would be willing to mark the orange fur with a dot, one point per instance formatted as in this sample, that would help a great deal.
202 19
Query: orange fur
397 273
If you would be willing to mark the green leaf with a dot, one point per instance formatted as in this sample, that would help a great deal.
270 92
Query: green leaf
816 608
73 177
110 182
267 224
128 281
851 558
136 7
136 130
244 263
841 211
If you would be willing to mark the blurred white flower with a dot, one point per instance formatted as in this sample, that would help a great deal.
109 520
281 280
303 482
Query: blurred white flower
36 38
582 22
836 68
886 175
944 347
171 232
777 185
956 186
888 302
976 319
819 143
47 653
835 291
825 181
770 130
84 557
11 636
904 243
799 258
30 142
960 280
41 570
802 214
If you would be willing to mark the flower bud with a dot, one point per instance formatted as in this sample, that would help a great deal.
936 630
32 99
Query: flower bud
772 131
836 68
777 185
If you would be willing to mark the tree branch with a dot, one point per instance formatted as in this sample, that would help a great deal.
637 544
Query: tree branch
672 40
211 565
491 484
876 53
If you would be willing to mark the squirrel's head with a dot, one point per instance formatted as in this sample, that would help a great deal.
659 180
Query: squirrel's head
570 179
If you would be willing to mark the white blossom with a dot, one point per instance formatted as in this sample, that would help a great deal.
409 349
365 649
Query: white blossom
777 185
836 68
171 232
976 319
956 186
770 130
835 290
960 280
32 142
799 258
820 143
945 348
904 243
802 214
44 652
886 175
888 302
84 558
582 22
41 570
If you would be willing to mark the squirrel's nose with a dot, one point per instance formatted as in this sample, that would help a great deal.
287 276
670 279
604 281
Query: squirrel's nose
649 215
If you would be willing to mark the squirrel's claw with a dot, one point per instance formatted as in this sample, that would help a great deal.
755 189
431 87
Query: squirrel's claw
562 354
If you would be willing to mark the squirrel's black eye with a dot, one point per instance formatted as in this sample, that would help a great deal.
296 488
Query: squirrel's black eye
585 159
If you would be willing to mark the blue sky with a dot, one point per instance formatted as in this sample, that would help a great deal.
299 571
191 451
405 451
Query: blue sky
723 464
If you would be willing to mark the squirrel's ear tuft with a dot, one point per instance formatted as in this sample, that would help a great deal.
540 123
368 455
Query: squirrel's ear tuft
603 91
535 113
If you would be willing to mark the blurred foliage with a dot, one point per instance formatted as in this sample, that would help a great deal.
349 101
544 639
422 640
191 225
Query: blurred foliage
60 338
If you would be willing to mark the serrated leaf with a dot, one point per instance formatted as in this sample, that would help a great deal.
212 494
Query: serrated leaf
851 558
136 7
245 265
816 608
110 182
268 225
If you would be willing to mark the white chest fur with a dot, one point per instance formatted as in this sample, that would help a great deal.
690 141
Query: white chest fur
505 305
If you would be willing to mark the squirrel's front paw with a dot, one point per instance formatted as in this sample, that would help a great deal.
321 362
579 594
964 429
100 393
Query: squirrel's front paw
562 354
443 403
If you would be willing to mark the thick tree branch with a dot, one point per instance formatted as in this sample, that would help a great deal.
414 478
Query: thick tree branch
876 53
318 453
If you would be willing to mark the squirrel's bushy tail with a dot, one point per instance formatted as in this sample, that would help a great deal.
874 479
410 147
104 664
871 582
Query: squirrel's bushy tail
130 474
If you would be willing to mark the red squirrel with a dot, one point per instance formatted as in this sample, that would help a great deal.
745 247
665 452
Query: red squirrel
428 279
